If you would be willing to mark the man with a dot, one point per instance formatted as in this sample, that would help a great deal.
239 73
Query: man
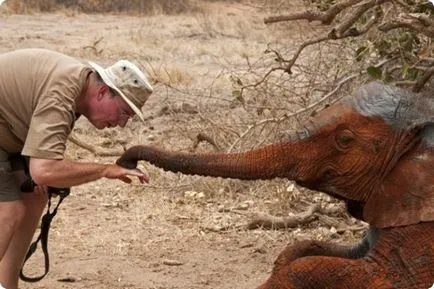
42 93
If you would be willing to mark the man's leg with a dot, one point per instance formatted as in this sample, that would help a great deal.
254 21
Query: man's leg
10 266
12 209
11 215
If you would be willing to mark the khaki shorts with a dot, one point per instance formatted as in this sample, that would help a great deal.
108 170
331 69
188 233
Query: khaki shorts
9 188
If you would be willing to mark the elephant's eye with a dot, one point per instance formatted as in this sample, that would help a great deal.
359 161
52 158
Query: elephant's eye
344 139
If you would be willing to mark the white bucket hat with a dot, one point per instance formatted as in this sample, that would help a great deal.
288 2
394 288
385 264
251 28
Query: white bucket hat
128 81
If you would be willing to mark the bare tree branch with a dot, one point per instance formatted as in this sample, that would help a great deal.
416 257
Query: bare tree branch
413 24
342 29
262 80
352 22
300 111
300 49
353 17
336 33
424 19
326 17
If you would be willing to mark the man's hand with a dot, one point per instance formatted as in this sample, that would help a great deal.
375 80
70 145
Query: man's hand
67 173
113 171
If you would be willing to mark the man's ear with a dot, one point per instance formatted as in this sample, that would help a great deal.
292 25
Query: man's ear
102 90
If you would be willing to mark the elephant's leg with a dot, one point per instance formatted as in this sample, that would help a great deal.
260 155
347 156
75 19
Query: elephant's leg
318 248
321 248
317 272
400 258
407 253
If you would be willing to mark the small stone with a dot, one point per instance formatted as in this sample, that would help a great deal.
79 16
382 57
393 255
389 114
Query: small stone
200 195
151 137
190 194
290 188
243 206
333 230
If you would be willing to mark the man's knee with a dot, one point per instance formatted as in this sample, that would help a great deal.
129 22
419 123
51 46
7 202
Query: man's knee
11 217
12 213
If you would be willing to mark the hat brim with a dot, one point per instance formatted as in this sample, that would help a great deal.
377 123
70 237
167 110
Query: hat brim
104 76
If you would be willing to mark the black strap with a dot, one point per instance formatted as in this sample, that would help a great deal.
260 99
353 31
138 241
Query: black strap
43 235
20 162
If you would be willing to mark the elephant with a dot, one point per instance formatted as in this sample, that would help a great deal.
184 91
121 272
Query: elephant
374 150
399 258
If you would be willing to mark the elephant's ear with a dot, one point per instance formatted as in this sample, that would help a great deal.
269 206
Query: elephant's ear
407 194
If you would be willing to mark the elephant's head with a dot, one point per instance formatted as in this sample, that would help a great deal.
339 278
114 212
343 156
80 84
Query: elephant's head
374 149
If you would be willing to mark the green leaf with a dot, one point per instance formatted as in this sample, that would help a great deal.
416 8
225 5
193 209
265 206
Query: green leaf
409 73
360 52
374 72
237 94
383 47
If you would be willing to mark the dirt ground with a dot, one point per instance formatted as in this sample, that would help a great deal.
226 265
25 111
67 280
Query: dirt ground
178 231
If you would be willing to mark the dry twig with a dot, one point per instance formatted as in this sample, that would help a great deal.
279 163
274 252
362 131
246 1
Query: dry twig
170 262
204 137
96 151
424 79
266 221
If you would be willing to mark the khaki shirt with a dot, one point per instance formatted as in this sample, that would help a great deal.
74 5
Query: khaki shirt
38 90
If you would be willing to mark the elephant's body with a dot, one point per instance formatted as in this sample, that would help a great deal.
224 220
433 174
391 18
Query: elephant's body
375 150
401 258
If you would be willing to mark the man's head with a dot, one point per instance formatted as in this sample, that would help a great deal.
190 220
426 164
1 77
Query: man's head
116 93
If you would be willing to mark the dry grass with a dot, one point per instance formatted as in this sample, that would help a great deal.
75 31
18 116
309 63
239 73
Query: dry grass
140 7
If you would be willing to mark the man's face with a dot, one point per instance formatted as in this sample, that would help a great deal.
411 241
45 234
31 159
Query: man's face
107 110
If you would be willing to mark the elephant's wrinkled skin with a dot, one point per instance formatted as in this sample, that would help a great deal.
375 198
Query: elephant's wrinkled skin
375 151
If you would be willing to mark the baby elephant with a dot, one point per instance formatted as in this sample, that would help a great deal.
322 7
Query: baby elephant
375 151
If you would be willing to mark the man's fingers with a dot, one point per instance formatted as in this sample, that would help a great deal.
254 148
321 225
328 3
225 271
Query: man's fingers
137 172
123 174
143 177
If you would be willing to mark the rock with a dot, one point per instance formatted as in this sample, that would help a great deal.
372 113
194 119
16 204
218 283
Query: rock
290 188
190 194
151 137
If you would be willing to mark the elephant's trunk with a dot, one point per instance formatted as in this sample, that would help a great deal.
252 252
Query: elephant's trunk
266 163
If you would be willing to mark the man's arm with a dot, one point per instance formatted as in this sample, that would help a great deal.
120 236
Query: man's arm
67 173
